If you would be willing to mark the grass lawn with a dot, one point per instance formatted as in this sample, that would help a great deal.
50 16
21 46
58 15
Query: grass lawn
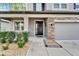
13 50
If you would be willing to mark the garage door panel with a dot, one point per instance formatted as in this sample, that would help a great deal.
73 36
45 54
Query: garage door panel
67 31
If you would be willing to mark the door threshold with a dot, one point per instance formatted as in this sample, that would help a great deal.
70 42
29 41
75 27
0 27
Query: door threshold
39 35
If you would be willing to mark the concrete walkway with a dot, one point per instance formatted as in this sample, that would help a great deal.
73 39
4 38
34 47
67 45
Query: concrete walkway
38 49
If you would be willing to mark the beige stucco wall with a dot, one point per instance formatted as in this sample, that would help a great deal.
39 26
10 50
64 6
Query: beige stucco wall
28 23
11 26
31 27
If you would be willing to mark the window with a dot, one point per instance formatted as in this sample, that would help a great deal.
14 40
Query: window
77 6
56 5
63 5
19 25
34 6
18 7
4 6
43 6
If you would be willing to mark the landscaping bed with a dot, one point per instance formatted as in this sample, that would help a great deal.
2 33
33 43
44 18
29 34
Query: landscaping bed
14 43
14 50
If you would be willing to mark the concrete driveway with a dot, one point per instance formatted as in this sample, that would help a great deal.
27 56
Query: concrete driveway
70 48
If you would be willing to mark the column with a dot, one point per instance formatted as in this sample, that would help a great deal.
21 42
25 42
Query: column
50 28
26 24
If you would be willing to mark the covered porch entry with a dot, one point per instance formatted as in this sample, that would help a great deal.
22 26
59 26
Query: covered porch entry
37 27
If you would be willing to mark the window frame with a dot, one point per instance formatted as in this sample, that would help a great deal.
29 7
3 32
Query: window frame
34 6
65 6
20 27
56 5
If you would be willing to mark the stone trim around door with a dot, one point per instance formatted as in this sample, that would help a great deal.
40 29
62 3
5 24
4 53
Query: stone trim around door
51 36
50 28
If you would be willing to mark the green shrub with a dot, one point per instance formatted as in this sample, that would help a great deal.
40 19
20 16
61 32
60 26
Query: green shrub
25 35
19 35
3 37
7 36
3 34
5 46
21 42
22 38
10 36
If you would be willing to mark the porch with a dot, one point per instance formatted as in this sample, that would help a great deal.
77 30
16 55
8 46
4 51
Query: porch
36 27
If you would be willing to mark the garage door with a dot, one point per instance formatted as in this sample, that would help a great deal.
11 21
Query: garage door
67 31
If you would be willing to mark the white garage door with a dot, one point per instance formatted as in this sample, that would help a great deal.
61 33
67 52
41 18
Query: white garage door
67 31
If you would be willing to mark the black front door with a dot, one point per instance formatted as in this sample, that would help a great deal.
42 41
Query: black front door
39 28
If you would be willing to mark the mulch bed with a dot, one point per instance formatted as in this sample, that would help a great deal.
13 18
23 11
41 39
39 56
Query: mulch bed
15 51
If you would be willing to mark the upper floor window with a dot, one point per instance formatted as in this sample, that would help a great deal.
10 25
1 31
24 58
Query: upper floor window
76 6
34 6
63 5
18 7
12 7
4 6
56 5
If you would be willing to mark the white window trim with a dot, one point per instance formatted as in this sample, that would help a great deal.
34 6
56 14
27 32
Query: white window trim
54 5
64 8
14 25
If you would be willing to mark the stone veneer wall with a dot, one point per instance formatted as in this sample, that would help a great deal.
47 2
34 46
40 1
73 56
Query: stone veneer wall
50 28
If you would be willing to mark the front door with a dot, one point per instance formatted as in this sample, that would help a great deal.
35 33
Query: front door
39 28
